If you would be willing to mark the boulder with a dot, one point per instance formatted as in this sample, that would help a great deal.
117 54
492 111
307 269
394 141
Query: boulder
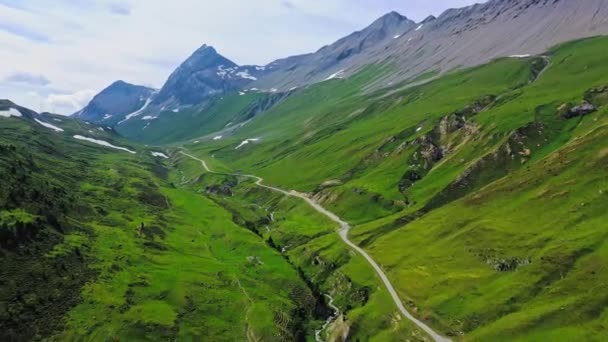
580 110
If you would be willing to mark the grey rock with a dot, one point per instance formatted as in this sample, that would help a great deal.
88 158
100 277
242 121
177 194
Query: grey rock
580 110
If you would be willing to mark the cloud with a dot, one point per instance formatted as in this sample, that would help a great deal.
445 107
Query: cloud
288 4
69 103
24 32
120 8
27 78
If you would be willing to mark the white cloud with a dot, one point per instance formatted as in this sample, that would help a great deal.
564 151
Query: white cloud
27 78
87 46
71 102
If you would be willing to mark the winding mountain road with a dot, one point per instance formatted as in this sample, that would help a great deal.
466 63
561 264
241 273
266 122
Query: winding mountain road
343 232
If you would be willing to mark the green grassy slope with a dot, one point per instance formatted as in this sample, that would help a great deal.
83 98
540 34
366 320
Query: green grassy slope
191 123
522 258
308 240
476 193
99 244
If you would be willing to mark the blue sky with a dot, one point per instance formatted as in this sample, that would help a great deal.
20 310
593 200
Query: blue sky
57 54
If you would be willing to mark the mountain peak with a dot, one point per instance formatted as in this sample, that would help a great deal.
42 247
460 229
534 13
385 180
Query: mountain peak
389 20
208 49
201 76
121 84
393 14
429 19
206 56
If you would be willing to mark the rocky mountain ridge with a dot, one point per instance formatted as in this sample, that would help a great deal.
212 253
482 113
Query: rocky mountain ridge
457 38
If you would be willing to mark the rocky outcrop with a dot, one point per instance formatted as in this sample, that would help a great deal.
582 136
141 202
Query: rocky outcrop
580 110
442 140
511 154
222 190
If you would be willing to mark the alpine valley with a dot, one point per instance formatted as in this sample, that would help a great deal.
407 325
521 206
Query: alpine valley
442 180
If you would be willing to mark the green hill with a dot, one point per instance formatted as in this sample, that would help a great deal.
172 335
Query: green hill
482 195
99 243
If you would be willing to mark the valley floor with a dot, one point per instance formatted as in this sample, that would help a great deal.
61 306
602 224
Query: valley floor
344 229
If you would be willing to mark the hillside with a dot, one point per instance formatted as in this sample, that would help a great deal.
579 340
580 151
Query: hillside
474 178
99 239
443 180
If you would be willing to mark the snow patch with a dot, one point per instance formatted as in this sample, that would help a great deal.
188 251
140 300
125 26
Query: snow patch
148 117
260 68
48 125
519 56
225 72
138 112
160 155
176 110
241 93
338 74
103 143
397 36
419 27
10 112
218 137
107 116
418 129
247 141
245 74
